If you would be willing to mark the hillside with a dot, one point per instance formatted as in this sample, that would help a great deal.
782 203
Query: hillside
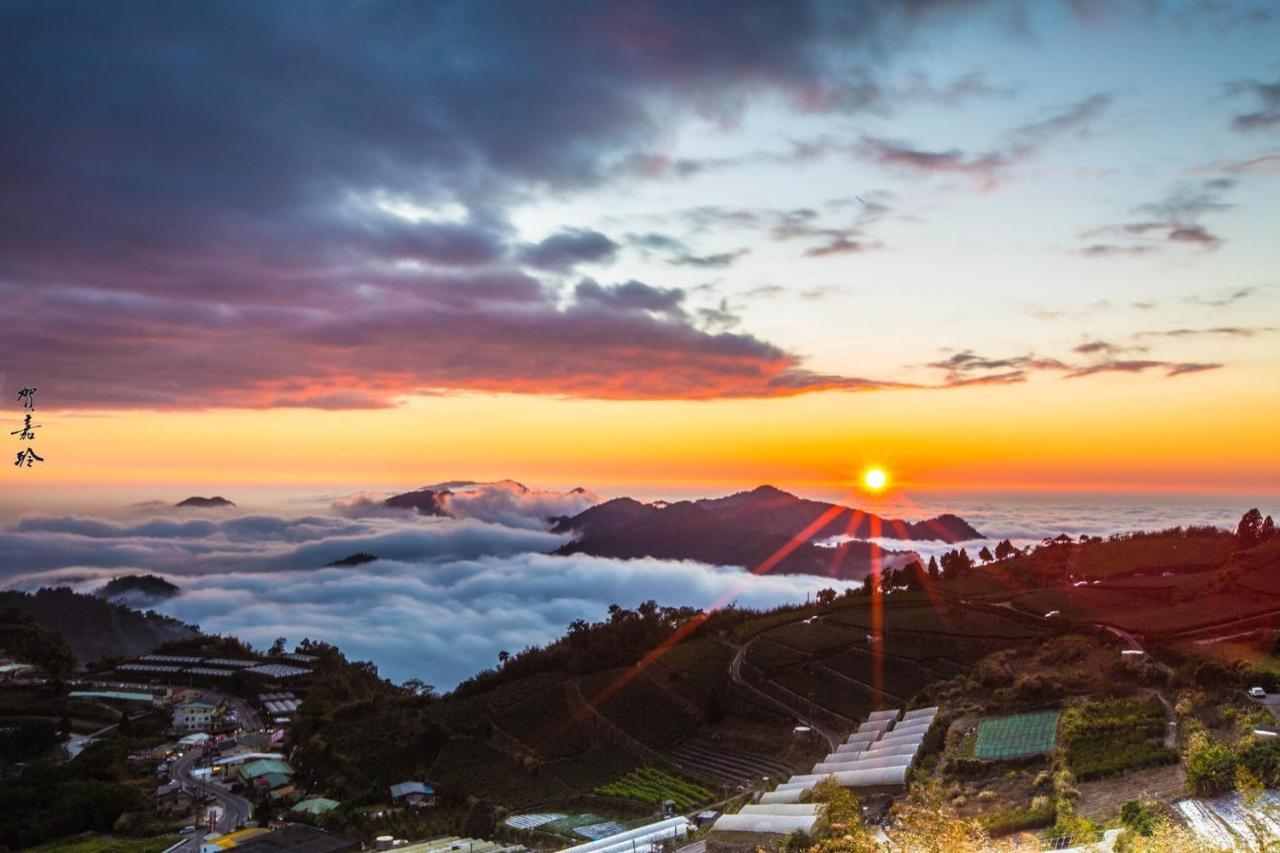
749 528
138 590
552 724
94 628
22 637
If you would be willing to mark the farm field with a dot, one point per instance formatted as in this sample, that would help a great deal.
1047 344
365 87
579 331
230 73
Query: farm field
812 637
1146 554
640 708
694 670
830 692
653 786
715 761
1253 649
1107 738
593 768
543 721
947 619
901 678
769 656
1016 735
474 766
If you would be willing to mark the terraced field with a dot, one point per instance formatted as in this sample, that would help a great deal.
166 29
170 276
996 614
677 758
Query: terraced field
640 708
732 766
831 693
927 619
903 679
694 670
1131 610
471 765
653 786
769 656
544 722
597 766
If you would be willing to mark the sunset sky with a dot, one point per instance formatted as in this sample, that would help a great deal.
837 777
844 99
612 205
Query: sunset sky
641 247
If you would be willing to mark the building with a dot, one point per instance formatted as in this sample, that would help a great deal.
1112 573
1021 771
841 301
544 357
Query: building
265 774
299 838
195 716
413 794
642 839
763 826
231 841
315 806
172 800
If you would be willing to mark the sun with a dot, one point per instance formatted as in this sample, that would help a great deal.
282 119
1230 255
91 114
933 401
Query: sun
875 479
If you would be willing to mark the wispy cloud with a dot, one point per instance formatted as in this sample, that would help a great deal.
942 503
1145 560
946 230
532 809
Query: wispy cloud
1175 218
1266 104
988 167
1229 298
967 368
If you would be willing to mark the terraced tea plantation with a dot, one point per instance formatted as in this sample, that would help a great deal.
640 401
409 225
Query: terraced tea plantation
716 761
651 785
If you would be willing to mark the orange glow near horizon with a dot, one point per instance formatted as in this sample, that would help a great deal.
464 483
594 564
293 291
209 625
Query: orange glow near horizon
1105 434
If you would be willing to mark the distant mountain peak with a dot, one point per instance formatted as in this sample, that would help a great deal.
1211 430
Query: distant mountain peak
747 529
197 501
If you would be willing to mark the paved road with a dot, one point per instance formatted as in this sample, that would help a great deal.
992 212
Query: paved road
735 672
235 808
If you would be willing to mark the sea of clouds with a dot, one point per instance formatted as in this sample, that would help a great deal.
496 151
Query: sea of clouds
446 594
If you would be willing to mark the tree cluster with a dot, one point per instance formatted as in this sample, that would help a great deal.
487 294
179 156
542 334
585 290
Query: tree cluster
1253 529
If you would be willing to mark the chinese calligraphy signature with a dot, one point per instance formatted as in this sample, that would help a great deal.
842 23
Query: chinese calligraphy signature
27 456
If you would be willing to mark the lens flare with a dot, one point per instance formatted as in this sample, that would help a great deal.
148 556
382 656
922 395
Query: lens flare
875 479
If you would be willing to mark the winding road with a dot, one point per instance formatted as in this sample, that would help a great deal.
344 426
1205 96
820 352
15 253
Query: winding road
235 809
735 672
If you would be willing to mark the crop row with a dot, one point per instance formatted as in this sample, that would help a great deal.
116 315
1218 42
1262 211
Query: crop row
653 786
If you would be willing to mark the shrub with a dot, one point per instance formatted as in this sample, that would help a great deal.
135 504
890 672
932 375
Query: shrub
1106 738
1211 766
651 785
1039 813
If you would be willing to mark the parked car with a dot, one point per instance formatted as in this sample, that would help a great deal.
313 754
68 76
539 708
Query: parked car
1257 692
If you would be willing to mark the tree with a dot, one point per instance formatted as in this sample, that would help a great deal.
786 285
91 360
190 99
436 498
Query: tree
1005 550
1249 530
481 820
985 554
504 656
418 687
826 596
1211 767
1268 531
913 576
277 648
797 842
933 568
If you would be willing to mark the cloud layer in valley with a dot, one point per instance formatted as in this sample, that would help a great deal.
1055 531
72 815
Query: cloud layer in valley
444 598
446 595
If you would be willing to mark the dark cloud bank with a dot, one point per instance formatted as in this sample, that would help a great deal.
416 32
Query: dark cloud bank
307 204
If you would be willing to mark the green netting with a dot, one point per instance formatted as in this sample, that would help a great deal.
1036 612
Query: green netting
1020 734
566 825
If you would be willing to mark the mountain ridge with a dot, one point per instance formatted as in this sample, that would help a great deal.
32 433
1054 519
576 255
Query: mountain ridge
763 527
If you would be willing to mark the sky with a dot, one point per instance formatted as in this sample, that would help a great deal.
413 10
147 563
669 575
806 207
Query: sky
648 248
